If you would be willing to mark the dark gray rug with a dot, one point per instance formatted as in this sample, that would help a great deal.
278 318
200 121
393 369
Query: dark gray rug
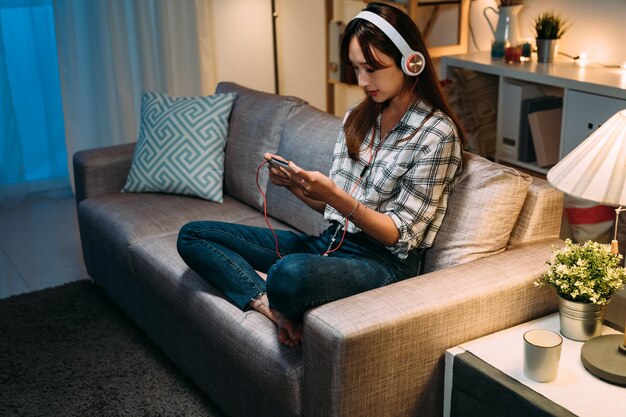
69 351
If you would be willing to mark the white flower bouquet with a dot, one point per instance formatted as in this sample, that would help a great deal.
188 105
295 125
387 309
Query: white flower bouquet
584 273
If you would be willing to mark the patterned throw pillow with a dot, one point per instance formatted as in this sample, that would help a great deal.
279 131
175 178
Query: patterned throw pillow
181 143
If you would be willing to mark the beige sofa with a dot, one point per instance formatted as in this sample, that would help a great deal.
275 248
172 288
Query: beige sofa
379 353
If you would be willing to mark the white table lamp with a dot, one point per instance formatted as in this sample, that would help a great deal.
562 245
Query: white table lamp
596 171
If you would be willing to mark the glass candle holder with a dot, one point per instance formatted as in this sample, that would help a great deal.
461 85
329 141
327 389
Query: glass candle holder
527 50
513 54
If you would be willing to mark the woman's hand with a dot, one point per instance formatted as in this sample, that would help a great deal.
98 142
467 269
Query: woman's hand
279 176
312 187
316 186
313 184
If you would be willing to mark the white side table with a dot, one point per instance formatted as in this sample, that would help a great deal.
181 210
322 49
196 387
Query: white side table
496 378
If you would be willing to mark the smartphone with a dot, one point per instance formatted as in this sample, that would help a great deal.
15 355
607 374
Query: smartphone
277 163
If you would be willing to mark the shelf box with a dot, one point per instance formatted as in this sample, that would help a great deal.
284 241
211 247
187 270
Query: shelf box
583 114
513 94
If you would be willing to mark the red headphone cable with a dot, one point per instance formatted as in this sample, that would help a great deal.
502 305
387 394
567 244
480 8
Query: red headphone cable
267 221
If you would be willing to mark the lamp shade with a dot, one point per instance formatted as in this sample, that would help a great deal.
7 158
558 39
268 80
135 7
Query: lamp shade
596 169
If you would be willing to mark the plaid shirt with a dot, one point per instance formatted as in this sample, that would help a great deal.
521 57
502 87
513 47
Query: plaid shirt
410 177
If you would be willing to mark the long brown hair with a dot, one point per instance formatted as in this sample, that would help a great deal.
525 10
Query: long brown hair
363 116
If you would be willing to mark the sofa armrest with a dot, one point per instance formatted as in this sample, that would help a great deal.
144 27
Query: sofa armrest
382 352
101 171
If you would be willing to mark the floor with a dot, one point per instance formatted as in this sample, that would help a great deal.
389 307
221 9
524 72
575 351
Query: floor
39 243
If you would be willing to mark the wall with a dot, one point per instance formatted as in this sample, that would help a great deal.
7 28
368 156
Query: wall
301 30
244 50
597 26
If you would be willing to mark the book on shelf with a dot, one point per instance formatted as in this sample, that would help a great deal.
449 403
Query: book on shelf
526 148
545 127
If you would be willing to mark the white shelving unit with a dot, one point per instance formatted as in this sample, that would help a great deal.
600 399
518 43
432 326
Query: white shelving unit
590 96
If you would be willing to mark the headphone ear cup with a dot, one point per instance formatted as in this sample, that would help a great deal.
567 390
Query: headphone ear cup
413 65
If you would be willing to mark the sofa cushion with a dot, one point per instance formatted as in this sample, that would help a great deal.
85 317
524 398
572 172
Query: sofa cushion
180 149
125 218
255 125
308 139
482 211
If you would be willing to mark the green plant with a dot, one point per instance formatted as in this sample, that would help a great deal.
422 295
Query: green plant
587 273
550 25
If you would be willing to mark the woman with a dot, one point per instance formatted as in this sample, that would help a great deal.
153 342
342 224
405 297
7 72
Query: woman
396 161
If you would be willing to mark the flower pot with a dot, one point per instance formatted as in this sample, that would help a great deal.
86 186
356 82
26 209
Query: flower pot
547 49
580 321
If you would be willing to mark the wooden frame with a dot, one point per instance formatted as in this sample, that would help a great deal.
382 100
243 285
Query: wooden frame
463 29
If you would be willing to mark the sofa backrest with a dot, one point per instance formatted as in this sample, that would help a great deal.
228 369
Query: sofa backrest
308 138
255 127
541 214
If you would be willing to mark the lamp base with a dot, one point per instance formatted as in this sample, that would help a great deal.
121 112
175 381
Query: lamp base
605 358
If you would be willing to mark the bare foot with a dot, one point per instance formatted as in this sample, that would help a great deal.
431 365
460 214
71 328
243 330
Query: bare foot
289 332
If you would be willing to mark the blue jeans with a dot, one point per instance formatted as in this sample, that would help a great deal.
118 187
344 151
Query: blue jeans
227 255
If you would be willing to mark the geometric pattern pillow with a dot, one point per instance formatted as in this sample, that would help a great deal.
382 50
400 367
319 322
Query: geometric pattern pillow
180 149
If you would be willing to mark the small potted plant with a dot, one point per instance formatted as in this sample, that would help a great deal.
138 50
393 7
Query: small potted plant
584 276
549 27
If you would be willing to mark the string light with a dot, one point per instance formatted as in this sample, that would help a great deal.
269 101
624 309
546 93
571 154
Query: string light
581 60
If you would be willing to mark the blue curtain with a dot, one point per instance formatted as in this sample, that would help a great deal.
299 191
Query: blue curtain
32 150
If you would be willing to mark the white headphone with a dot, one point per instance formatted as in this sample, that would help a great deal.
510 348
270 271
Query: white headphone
412 61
